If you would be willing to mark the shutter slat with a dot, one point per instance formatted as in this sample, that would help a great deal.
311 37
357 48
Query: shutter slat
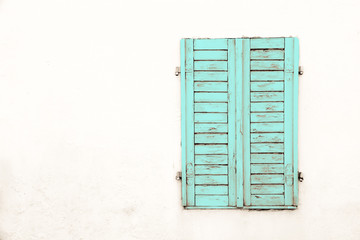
267 117
211 179
267 86
211 138
267 189
267 107
210 44
267 54
211 159
210 76
210 86
211 200
210 55
267 137
218 190
210 169
267 96
211 149
211 107
210 65
262 43
267 168
267 76
267 200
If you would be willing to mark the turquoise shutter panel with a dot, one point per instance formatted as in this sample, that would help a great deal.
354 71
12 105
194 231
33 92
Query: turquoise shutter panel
270 159
208 122
239 123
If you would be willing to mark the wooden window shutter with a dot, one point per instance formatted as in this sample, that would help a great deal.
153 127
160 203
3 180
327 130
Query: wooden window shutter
239 123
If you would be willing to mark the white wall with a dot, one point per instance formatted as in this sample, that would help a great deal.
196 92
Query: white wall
90 118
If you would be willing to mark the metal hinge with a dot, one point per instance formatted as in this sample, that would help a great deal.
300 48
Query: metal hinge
301 70
178 176
300 176
177 71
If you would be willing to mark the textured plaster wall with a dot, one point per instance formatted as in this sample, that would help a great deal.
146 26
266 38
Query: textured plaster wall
90 118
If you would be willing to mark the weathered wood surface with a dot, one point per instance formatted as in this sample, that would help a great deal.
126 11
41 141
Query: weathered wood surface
211 179
212 200
210 65
264 43
211 107
210 76
267 96
211 138
211 117
210 86
211 159
210 44
211 128
210 55
267 117
214 189
267 54
267 76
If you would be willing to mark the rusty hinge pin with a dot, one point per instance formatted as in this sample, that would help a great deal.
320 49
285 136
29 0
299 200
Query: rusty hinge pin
301 70
177 71
300 176
178 176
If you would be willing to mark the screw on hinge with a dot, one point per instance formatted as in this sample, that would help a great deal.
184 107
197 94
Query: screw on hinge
300 176
178 176
177 71
301 70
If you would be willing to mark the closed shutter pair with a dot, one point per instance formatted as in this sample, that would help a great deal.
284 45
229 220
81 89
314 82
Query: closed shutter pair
239 123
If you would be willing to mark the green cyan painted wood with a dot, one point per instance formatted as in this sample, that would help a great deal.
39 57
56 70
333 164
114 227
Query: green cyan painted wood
267 117
210 55
211 107
211 44
267 168
211 97
295 119
267 107
214 189
239 127
211 138
267 189
211 117
246 122
210 76
239 123
211 169
267 137
211 159
211 200
211 149
183 123
211 179
264 43
210 86
267 65
267 147
267 158
267 86
231 121
267 76
267 127
211 128
189 85
210 65
267 96
267 54
267 200
267 179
